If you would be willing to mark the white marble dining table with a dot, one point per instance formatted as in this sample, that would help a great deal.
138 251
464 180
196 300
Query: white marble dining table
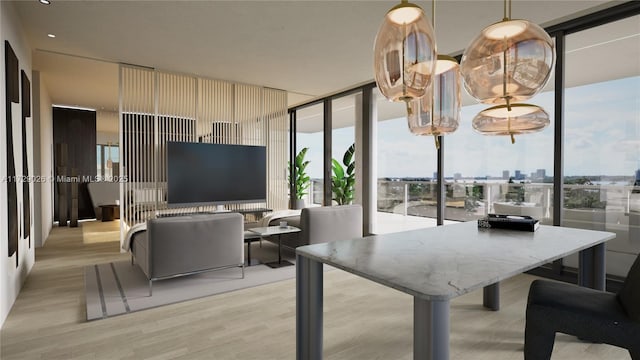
435 265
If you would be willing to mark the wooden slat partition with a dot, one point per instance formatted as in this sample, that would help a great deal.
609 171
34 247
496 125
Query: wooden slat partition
157 107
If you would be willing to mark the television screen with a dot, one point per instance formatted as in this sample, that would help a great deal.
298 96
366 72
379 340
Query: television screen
214 174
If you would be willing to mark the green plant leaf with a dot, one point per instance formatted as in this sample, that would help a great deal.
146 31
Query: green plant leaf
302 181
351 169
338 171
348 155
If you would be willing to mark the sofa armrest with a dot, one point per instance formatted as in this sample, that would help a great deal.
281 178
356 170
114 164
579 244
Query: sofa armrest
140 251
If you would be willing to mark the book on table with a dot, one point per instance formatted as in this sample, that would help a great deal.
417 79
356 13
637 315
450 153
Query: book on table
510 222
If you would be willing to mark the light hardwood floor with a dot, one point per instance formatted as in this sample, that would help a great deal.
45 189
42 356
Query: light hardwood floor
363 320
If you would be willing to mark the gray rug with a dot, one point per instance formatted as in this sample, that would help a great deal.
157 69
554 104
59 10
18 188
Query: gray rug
119 288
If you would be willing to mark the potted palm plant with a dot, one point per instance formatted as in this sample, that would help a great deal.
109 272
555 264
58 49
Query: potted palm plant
302 180
344 177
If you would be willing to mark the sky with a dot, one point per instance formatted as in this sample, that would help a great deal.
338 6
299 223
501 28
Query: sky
602 127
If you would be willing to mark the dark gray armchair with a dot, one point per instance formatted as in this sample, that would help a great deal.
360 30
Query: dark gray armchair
589 314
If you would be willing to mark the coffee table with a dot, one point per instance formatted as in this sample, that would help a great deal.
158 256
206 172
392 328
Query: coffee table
110 212
276 230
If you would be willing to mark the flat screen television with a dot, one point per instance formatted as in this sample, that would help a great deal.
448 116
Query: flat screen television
215 174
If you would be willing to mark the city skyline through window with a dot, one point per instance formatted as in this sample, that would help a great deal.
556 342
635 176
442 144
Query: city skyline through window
589 108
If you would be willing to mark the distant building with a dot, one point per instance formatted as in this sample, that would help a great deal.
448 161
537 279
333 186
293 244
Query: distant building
519 175
637 175
541 173
505 174
457 176
435 174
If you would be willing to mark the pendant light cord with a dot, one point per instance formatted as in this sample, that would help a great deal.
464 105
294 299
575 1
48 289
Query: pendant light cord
433 15
507 11
507 17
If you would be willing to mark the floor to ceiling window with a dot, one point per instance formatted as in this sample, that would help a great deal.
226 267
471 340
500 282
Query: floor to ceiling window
602 137
310 136
406 166
108 160
488 174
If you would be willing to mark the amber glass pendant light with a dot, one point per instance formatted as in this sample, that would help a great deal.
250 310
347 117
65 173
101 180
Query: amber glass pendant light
438 112
518 119
510 61
404 53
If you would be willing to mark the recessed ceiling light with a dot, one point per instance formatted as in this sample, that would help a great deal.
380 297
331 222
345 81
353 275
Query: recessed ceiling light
45 2
51 35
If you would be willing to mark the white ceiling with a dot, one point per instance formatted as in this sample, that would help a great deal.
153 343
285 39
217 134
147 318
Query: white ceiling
308 48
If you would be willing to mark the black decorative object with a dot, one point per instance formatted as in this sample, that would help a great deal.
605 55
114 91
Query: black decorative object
12 96
26 198
509 222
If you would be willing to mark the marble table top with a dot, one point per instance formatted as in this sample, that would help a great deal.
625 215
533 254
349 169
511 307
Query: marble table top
443 262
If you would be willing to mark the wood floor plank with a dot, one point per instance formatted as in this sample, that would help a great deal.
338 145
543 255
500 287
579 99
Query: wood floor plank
363 320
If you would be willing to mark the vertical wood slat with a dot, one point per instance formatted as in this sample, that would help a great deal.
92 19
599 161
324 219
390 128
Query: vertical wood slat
158 107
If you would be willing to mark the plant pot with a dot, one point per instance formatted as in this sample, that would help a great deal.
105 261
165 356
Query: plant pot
298 204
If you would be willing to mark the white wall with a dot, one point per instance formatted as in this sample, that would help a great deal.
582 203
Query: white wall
107 129
105 138
12 278
43 158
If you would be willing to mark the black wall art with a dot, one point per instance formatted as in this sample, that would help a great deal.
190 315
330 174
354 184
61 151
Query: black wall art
12 96
26 198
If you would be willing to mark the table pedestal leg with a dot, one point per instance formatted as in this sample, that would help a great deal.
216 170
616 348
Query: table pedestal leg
430 329
308 309
591 267
491 296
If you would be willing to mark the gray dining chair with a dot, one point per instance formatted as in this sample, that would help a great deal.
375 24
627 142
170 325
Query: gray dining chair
591 315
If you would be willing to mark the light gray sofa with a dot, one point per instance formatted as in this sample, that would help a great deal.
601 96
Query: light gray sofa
185 245
323 224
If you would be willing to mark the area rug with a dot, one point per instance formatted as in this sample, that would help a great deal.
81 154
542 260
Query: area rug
119 288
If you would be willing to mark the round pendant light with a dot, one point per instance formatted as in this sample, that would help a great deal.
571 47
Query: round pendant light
513 120
509 61
438 112
404 53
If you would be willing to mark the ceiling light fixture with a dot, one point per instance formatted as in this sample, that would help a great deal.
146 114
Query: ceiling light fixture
519 119
438 112
51 35
510 61
45 2
404 53
109 164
